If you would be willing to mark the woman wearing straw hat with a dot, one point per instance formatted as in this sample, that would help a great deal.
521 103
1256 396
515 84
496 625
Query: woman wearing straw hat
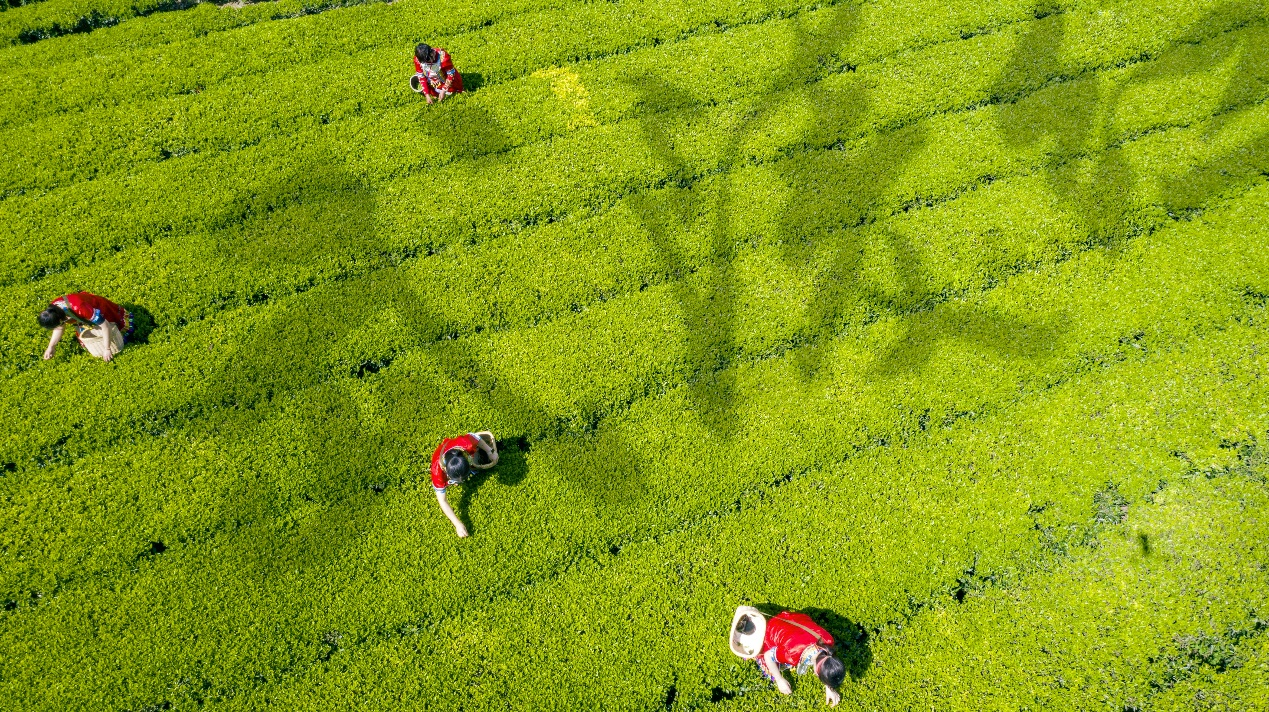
789 640
452 462
101 326
434 74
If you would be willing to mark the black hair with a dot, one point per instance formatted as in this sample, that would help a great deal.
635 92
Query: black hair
456 465
52 317
831 672
425 54
745 626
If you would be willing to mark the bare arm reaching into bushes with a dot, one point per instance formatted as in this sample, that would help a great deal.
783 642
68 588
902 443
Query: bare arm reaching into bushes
452 462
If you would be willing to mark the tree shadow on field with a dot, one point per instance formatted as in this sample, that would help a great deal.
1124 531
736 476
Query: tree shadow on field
841 289
823 227
851 641
1096 194
1005 336
1088 171
322 212
708 310
708 302
318 215
1248 85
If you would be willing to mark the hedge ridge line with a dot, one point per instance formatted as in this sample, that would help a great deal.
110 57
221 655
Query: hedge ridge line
358 29
859 543
1105 635
157 31
204 190
939 238
256 397
1139 289
201 19
218 119
538 290
54 19
731 342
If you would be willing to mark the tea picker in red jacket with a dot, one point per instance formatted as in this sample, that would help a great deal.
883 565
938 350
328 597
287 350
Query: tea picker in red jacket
789 640
101 326
452 462
434 74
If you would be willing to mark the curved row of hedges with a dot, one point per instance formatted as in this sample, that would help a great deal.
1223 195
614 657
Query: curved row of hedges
926 340
249 109
280 477
225 200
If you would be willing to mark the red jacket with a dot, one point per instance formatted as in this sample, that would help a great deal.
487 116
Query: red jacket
441 75
93 309
467 442
789 640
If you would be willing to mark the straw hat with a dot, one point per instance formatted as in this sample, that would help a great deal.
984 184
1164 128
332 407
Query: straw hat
748 645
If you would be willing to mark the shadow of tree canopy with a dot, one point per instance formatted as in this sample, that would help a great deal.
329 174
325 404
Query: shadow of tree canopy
822 233
331 211
1007 337
305 344
318 210
709 308
1090 174
840 285
1070 121
1248 85
325 452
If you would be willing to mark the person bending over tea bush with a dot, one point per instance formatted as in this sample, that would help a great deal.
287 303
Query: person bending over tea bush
452 462
434 74
793 640
101 326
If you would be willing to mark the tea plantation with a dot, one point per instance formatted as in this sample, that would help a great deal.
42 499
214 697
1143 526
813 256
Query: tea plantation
945 321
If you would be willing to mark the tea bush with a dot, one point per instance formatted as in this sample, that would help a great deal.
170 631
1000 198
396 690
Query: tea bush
942 322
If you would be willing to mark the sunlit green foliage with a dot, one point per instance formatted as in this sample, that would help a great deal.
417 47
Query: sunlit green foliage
941 320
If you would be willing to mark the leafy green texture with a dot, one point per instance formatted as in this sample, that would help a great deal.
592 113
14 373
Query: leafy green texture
942 321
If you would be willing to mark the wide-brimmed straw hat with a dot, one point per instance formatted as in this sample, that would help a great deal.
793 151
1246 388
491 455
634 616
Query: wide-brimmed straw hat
747 645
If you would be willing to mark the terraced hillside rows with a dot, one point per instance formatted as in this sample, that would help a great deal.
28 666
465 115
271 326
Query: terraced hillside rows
942 321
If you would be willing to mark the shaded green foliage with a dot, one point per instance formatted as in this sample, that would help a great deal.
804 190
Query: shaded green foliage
943 323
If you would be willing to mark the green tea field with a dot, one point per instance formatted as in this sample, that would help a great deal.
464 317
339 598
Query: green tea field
946 322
